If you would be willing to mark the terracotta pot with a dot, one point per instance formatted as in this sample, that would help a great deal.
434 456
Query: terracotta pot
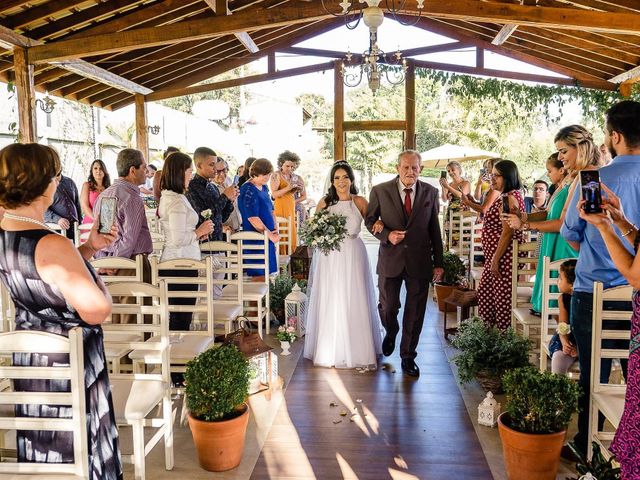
529 456
443 292
220 444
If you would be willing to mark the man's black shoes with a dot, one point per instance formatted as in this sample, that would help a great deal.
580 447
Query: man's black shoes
388 344
410 368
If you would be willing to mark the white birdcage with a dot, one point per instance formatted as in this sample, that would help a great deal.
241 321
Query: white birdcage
488 411
295 308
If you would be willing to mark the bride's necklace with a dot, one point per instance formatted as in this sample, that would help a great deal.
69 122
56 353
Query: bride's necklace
28 220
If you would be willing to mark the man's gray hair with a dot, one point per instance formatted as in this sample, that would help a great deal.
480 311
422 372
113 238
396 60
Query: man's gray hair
127 158
409 152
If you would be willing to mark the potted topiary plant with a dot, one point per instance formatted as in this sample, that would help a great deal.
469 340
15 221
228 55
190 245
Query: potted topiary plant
486 353
533 427
454 271
217 381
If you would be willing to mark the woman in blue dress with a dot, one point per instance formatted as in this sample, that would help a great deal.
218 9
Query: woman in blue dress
257 211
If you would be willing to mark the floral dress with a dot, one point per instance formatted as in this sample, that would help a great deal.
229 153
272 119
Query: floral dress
494 294
626 443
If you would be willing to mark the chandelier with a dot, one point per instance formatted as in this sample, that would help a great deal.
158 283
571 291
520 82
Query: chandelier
373 63
353 11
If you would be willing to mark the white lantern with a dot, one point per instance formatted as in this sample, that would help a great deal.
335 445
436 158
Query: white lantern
488 411
266 367
295 309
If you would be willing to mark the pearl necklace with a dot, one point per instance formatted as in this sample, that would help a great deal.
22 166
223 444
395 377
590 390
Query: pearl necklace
28 220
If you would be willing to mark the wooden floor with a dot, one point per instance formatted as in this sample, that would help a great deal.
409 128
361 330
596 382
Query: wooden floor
403 428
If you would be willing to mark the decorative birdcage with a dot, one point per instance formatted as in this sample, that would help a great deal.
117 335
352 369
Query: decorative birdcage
295 308
488 411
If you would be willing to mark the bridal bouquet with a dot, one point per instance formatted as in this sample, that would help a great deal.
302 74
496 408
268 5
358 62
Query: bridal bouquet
325 231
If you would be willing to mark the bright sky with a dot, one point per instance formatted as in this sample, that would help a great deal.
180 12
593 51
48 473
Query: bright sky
391 36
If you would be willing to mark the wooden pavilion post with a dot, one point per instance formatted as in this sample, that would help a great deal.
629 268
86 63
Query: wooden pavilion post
26 96
142 133
338 112
410 106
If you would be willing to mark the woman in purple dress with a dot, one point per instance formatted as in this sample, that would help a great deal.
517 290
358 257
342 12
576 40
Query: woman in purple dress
626 444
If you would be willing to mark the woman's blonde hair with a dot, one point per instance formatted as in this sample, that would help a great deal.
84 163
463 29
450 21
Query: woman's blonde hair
457 165
580 138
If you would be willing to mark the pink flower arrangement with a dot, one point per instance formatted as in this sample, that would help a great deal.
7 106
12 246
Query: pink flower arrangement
286 334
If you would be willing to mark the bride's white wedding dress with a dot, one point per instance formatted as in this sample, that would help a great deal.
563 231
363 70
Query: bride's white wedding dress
343 328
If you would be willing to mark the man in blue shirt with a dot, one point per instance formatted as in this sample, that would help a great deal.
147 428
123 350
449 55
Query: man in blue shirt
622 176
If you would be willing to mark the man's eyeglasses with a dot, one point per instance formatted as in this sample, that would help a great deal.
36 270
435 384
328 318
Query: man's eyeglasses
224 170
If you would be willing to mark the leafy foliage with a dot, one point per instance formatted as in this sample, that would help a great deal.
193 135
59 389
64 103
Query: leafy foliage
539 402
488 349
217 381
599 467
454 269
280 287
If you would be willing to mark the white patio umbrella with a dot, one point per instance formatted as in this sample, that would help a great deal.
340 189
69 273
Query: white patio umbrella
439 157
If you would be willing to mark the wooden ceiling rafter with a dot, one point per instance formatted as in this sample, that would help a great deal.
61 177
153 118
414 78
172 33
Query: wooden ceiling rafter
188 69
7 5
573 69
41 12
443 28
544 46
559 18
300 35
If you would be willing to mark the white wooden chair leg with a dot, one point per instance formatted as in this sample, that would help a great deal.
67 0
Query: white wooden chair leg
167 413
267 312
138 450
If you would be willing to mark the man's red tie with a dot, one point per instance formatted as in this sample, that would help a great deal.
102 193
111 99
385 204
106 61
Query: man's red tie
407 201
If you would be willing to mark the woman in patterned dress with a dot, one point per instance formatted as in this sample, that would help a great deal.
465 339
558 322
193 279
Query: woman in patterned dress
54 289
626 443
494 291
454 193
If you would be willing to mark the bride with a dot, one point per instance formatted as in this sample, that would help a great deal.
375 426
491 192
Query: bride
343 326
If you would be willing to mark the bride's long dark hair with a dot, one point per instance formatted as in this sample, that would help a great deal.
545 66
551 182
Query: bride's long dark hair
331 198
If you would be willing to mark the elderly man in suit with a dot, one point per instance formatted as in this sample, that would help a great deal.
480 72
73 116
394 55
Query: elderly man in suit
410 252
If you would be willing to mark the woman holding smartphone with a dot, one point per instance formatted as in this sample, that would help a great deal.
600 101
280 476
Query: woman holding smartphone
453 192
576 152
494 291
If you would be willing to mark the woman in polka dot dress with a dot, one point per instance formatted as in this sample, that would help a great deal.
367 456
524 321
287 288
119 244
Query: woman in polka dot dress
494 291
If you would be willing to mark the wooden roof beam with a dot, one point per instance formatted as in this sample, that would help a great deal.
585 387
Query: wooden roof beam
506 31
559 18
633 74
527 77
221 8
236 82
40 12
451 31
9 4
411 52
80 67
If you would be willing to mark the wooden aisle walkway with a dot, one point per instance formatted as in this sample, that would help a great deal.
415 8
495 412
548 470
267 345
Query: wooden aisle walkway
404 428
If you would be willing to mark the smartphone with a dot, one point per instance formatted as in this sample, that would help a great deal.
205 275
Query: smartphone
483 171
108 207
443 174
591 191
505 205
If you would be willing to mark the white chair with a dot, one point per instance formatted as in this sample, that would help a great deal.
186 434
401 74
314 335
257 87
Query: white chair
57 228
256 294
549 313
460 230
25 341
228 284
606 398
285 243
120 263
153 221
185 345
157 240
475 248
81 232
143 399
7 310
523 270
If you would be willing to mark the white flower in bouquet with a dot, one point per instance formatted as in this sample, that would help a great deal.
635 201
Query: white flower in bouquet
325 231
206 214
